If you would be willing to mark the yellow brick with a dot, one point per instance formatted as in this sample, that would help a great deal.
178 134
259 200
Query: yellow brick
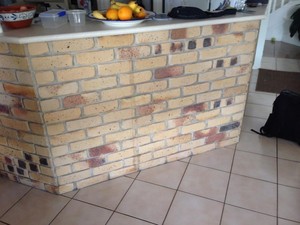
145 157
65 188
86 144
4 48
213 53
215 29
137 122
94 84
6 132
245 26
38 48
152 163
153 128
195 89
192 144
221 84
14 124
165 134
92 180
44 77
204 148
95 109
151 147
203 116
228 142
198 67
218 121
27 115
230 39
95 57
151 87
242 49
165 116
135 78
240 98
246 59
229 110
120 136
118 115
182 81
3 140
37 128
31 104
116 41
193 127
235 91
107 168
179 139
117 93
42 178
13 62
17 49
7 75
24 78
56 129
156 36
243 80
120 155
166 95
165 152
70 158
235 71
251 36
132 52
79 166
20 145
74 177
75 73
66 138
180 102
58 90
51 62
177 156
133 161
183 58
83 123
11 152
46 171
115 68
42 151
63 115
150 63
32 138
136 142
122 172
238 116
50 105
72 45
103 129
135 101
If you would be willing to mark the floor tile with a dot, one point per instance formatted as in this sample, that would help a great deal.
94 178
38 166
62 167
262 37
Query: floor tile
168 175
261 99
107 194
119 219
260 111
290 65
286 222
220 159
286 50
256 143
147 201
237 216
132 175
253 194
288 150
37 207
289 203
79 213
10 193
192 210
254 76
268 63
2 223
289 173
70 194
205 182
255 166
252 123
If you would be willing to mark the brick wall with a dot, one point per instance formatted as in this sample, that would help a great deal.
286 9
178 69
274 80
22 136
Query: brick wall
77 112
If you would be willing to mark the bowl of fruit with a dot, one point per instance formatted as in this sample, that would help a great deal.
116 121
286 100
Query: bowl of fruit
121 14
17 16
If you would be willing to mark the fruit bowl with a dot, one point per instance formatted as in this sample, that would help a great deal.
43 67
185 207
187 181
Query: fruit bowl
17 16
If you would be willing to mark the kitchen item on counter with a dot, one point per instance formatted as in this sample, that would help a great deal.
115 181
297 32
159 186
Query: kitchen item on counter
53 18
76 17
17 16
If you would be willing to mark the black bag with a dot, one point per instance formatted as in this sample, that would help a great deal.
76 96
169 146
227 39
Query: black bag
284 121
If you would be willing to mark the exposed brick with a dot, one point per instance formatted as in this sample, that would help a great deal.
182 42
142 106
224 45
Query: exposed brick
205 133
58 90
192 45
38 48
229 126
95 57
94 84
207 42
73 45
150 63
184 58
116 41
176 47
74 100
134 52
102 150
95 162
76 73
168 72
135 78
194 108
115 68
50 62
149 109
63 115
20 90
152 37
4 109
215 138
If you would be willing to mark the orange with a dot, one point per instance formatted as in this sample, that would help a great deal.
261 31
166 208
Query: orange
125 13
141 14
112 14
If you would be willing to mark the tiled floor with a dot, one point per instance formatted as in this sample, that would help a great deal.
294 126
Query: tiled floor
255 182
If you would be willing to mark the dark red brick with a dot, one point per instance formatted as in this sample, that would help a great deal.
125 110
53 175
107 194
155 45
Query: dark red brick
200 107
146 110
166 72
179 34
158 49
101 150
176 47
215 138
206 133
220 28
4 109
72 101
95 162
21 90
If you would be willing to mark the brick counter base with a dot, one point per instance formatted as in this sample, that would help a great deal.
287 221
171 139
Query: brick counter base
77 112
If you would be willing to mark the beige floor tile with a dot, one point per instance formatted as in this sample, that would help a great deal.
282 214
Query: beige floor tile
289 203
10 193
286 222
289 173
205 182
106 194
252 123
288 150
2 223
253 194
260 111
168 175
290 65
119 219
37 207
79 213
268 63
220 159
147 202
255 166
255 143
237 216
261 98
254 76
132 175
70 194
192 210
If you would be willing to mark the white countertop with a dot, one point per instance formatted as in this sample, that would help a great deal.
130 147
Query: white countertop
92 28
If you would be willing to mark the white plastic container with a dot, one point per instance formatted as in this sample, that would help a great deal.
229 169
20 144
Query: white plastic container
76 17
53 18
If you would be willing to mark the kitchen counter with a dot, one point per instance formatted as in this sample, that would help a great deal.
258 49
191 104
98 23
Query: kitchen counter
36 33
